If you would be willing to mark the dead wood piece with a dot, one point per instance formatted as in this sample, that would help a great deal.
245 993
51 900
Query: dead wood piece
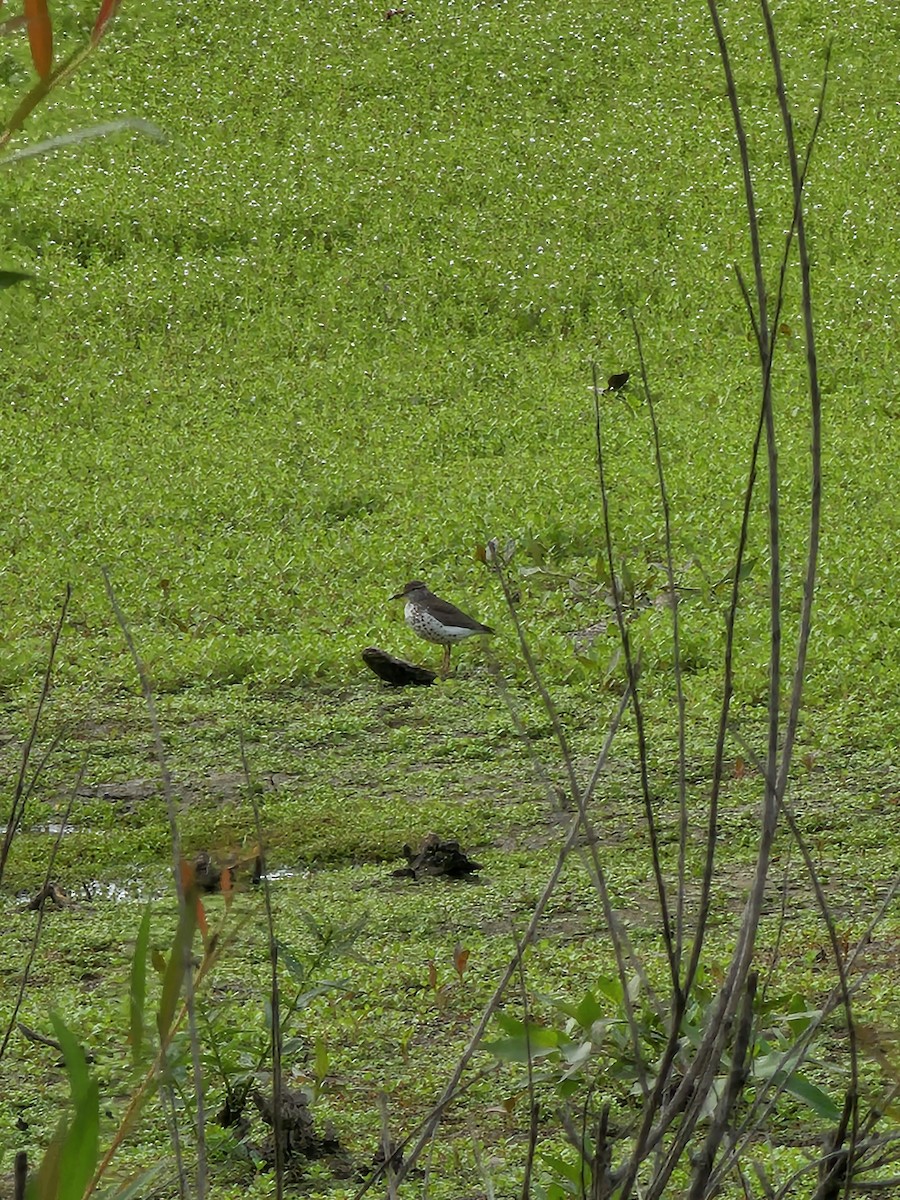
207 876
50 891
300 1140
20 1175
211 876
437 857
41 1039
396 671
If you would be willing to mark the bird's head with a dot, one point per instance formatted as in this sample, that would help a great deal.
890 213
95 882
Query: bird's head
416 585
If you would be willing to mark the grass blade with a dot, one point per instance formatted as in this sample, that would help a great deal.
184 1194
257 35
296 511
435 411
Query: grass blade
137 991
176 969
64 140
76 1064
45 1185
79 1154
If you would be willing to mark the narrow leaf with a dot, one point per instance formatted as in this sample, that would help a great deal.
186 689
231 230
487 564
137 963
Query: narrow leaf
460 959
322 1061
78 1158
104 16
202 923
44 1185
578 1173
176 967
137 991
104 129
11 278
294 967
138 1187
76 1064
40 36
820 1102
226 883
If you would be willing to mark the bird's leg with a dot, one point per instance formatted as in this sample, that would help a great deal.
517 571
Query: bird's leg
445 663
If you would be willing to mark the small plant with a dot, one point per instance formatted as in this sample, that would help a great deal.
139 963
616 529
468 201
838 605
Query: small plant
239 1055
595 1044
72 1166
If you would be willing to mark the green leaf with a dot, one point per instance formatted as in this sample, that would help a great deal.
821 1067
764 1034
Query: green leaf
610 987
44 1183
175 968
322 1060
79 1155
576 1056
306 998
137 992
820 1102
578 1173
69 1163
564 1006
588 1011
76 1063
138 1186
747 567
525 1040
294 967
567 1088
11 278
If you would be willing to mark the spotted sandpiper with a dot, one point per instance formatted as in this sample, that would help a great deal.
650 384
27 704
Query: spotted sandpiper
437 620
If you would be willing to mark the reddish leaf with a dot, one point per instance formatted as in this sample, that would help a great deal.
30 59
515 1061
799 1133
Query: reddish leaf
40 36
106 13
432 975
188 873
740 768
226 883
460 959
202 924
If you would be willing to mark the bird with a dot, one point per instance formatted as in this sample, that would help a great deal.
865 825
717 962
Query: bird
437 620
615 383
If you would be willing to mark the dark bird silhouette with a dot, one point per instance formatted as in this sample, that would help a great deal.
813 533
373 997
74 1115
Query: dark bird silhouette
396 671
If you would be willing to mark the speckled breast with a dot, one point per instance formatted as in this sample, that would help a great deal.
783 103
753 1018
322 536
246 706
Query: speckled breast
428 627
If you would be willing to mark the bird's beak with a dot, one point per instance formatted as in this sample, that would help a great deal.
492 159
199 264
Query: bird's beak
399 596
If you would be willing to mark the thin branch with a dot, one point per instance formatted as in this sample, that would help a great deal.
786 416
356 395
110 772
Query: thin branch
168 792
274 988
492 1004
676 653
631 668
546 698
623 949
734 1087
36 937
20 795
